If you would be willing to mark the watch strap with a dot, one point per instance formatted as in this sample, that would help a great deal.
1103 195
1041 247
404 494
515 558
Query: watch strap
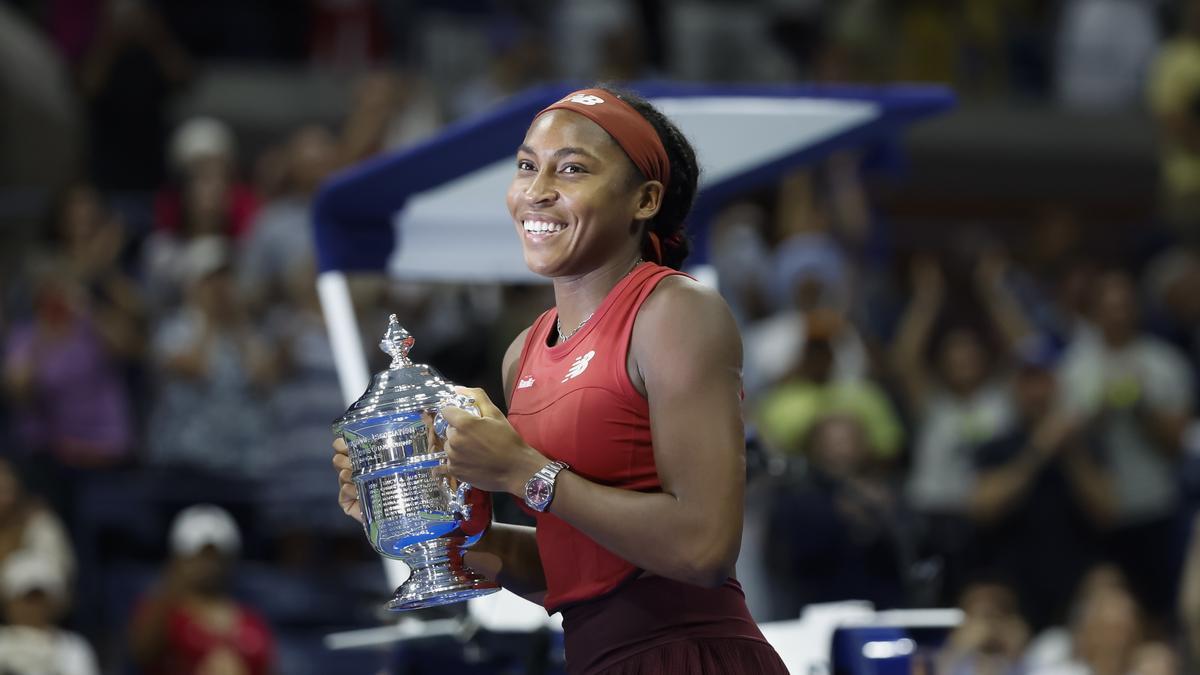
547 475
550 471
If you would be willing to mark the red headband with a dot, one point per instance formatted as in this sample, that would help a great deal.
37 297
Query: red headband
629 129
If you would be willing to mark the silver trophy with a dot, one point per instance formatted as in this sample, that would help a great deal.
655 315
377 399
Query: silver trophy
412 510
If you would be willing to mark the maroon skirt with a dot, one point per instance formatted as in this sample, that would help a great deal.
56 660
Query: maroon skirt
656 626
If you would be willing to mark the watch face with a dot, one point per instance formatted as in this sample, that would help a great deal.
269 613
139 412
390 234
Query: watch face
537 493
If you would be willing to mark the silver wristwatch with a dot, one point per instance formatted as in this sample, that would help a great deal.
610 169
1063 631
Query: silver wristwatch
539 490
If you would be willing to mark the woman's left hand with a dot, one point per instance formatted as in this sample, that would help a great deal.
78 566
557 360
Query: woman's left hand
486 451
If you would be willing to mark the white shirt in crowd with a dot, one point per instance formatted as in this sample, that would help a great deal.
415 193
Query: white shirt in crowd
1096 377
949 430
33 651
1104 51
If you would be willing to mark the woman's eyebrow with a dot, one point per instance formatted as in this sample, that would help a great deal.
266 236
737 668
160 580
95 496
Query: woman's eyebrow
561 152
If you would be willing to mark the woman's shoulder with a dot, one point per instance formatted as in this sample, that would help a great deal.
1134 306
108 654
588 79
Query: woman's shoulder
517 346
688 315
682 293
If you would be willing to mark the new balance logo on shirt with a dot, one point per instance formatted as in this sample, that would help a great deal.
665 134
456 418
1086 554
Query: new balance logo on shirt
525 383
580 364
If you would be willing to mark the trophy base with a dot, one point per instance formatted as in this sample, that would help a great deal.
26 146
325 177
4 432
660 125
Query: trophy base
439 576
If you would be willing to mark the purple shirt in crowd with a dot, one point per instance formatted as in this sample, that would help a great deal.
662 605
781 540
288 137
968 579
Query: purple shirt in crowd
80 407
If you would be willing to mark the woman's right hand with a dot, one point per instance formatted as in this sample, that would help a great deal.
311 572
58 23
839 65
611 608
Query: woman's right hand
347 491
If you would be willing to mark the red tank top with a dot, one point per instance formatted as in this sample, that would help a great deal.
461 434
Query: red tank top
574 403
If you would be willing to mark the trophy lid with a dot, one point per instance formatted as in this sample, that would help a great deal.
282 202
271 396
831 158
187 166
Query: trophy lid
403 386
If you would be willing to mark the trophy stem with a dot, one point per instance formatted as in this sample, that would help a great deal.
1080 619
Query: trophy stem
439 576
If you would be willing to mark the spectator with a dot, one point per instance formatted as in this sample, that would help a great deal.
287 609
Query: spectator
1172 285
808 272
814 273
992 636
213 366
956 408
1173 93
810 268
1136 393
282 231
838 527
1105 633
28 527
389 110
1104 51
207 201
518 60
790 409
345 34
190 623
62 374
1051 282
91 238
301 405
85 230
738 251
128 75
623 55
34 597
600 41
1154 658
1040 487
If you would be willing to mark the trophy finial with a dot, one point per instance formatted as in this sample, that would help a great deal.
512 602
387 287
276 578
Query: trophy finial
396 342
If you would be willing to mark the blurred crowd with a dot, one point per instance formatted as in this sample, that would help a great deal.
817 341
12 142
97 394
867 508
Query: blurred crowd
1003 419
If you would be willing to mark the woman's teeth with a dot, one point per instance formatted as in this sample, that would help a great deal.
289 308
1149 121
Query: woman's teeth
542 227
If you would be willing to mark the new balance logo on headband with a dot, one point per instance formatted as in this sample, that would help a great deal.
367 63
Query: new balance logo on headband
586 99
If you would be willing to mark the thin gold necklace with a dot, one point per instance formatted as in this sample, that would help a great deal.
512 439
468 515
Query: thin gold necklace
558 320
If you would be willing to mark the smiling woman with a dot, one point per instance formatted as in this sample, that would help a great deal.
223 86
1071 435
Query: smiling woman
624 433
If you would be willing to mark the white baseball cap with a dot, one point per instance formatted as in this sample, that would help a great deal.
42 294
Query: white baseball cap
26 571
204 525
201 137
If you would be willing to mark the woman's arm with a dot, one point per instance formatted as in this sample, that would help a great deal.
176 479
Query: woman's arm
509 555
1091 483
688 355
1003 308
907 356
997 490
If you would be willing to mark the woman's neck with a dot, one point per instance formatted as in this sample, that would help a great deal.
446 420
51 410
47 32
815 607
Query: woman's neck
576 297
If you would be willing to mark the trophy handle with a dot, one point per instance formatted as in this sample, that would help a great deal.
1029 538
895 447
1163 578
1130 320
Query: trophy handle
458 505
440 426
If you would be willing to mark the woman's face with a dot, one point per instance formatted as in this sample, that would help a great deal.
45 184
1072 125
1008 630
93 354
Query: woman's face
206 195
1115 307
81 214
575 197
36 609
963 361
840 447
1108 624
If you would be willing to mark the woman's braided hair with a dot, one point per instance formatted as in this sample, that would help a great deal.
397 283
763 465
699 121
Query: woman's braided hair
668 223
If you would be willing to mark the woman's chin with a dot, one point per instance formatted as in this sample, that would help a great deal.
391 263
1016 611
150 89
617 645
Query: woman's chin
541 265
